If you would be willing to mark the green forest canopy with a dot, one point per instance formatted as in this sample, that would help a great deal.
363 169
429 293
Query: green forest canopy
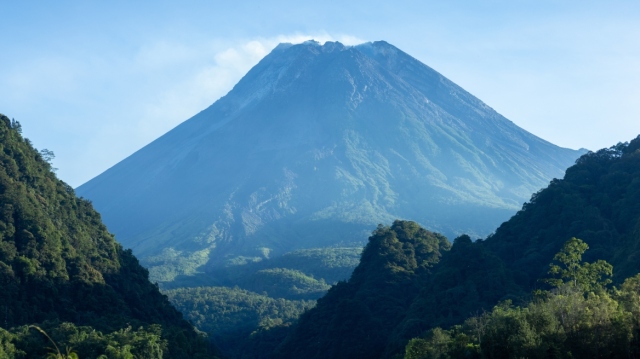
62 270
581 317
386 303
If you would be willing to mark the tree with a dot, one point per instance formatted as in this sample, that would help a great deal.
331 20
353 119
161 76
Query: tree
55 352
47 155
571 270
580 319
16 126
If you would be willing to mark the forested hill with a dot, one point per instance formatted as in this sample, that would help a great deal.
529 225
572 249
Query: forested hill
62 270
598 201
354 319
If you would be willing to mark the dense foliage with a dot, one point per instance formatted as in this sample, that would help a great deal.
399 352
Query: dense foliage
241 323
285 283
468 278
329 264
85 342
58 262
355 317
579 318
597 201
301 274
224 302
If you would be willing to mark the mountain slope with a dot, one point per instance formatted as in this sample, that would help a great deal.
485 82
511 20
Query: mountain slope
598 201
58 263
312 147
354 319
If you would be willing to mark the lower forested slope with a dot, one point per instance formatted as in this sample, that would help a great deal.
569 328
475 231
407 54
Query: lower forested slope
242 324
598 201
581 316
355 317
61 268
248 308
385 304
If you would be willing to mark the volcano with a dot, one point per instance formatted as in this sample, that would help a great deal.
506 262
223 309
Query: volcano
314 147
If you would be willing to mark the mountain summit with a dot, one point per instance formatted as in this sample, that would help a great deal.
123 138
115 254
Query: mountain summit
314 147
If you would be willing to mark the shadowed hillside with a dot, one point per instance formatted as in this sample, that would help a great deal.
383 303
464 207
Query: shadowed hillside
61 269
597 201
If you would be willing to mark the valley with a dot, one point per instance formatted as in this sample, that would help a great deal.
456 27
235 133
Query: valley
268 195
340 201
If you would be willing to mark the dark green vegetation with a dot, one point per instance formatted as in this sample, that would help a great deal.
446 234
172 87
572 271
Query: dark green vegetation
355 318
579 318
330 264
301 274
285 283
59 265
597 201
85 342
241 323
245 324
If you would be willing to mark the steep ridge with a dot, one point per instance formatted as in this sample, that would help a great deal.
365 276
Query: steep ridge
354 319
58 263
598 201
314 146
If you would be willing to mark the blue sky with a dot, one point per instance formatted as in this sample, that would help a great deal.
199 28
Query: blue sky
96 80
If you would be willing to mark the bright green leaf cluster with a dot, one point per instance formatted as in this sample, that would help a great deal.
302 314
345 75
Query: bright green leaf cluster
580 318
